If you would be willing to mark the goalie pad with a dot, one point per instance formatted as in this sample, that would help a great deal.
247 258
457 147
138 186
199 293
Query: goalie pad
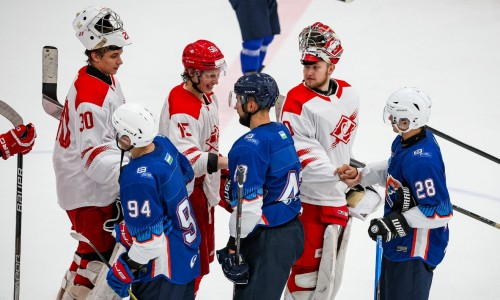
328 279
363 201
101 290
331 267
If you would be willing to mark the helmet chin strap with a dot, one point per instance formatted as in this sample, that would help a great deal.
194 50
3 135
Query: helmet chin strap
195 84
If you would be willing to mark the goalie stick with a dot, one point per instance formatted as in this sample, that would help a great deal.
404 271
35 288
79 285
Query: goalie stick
357 164
10 114
49 82
81 238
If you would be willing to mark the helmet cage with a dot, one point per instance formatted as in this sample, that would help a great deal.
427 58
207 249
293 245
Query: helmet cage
320 41
99 27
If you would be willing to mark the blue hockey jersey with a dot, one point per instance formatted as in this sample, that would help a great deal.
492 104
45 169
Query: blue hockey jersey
420 167
152 190
272 178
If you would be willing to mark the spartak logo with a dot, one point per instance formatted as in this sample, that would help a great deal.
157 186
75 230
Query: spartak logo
343 130
213 141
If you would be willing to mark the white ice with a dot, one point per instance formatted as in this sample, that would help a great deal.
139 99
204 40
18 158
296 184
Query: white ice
449 48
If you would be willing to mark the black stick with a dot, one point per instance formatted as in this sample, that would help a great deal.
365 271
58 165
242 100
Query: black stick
19 211
463 145
358 164
16 120
241 175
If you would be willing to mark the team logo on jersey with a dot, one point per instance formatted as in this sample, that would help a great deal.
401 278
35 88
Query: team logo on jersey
250 138
420 152
391 187
344 129
213 141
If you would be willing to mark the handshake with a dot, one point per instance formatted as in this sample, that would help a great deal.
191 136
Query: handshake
400 200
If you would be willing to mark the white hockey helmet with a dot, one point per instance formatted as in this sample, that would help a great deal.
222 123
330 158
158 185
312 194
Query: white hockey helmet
98 27
408 108
135 124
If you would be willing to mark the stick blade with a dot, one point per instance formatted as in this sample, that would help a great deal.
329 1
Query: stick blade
9 113
52 107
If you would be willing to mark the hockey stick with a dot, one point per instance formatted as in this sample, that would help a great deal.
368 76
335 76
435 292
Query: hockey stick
241 180
378 267
357 164
463 145
81 238
49 82
16 120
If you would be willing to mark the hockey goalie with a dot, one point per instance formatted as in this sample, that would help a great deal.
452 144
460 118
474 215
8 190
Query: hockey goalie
321 114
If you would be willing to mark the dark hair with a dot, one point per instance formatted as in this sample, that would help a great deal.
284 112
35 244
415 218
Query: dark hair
100 52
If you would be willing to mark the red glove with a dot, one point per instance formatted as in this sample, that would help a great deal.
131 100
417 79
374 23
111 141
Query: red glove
122 235
225 186
18 140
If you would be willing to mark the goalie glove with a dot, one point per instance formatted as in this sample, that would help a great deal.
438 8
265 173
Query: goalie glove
390 227
362 202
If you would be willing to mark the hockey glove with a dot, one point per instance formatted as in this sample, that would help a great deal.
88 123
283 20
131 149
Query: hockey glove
225 190
390 227
18 140
122 235
237 273
403 200
120 277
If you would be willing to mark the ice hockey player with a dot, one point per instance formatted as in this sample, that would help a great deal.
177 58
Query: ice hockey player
190 119
417 210
18 140
86 159
159 229
259 23
272 236
322 116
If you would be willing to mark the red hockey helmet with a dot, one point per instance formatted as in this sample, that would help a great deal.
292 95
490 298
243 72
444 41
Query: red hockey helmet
203 55
319 42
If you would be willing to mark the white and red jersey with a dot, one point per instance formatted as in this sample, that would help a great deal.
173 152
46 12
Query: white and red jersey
323 129
193 127
86 159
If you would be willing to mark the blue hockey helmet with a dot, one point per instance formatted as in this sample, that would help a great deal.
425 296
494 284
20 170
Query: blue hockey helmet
259 85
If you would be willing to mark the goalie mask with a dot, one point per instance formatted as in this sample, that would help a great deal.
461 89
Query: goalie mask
319 42
408 108
99 27
135 126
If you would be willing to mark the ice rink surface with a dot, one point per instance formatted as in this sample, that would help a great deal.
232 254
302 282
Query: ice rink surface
449 48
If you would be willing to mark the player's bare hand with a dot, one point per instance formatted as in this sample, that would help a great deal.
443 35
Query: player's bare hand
348 174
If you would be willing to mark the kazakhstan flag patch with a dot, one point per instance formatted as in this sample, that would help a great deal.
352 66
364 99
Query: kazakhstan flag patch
282 134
